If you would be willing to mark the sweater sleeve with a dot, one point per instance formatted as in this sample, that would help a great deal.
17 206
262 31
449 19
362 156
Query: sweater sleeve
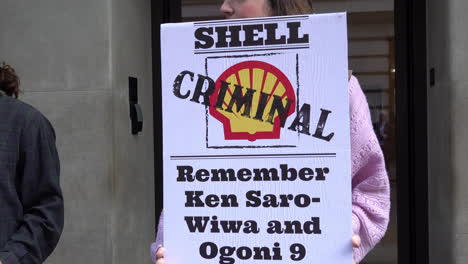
370 184
159 237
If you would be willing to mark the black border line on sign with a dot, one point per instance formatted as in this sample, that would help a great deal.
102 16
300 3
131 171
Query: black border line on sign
255 156
248 49
256 20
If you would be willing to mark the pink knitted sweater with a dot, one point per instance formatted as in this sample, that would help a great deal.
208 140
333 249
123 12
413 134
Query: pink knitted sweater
371 189
370 185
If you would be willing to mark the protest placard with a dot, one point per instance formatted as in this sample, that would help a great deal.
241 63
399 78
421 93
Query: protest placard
256 141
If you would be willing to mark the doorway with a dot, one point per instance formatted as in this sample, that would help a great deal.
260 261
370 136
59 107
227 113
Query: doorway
387 54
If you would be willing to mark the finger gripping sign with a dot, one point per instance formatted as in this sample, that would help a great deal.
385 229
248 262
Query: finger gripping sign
256 141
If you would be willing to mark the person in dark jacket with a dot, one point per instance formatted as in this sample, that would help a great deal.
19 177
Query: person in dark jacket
31 202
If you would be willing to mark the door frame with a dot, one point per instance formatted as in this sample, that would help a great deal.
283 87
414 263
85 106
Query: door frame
162 11
411 131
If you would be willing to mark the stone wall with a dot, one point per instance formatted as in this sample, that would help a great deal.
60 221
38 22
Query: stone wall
447 130
74 59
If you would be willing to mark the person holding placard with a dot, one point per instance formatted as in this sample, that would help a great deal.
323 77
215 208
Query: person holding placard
370 184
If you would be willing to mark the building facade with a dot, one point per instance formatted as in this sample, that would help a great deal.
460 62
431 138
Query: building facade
75 58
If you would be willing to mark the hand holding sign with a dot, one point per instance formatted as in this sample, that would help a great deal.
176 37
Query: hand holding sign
356 241
159 256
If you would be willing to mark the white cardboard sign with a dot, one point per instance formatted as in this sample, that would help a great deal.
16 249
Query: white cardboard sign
256 141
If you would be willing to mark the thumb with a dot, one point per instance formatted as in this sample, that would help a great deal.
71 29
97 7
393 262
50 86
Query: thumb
356 241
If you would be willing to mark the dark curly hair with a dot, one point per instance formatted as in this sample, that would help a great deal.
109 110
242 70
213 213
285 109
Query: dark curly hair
9 80
290 7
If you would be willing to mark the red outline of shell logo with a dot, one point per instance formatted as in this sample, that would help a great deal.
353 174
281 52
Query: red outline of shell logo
261 77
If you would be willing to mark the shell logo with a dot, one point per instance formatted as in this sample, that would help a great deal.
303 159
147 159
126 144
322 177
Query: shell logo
262 88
